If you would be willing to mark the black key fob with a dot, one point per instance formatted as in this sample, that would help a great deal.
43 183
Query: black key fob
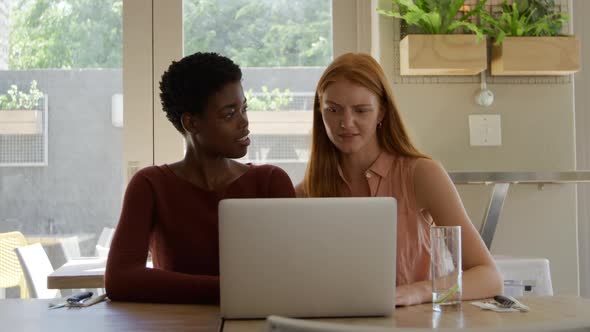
76 298
503 300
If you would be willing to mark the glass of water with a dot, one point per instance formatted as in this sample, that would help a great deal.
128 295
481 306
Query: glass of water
445 267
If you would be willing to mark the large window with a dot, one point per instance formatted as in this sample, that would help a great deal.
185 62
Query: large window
283 47
64 157
261 33
60 120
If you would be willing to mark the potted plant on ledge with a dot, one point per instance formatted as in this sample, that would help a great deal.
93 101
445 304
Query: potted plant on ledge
528 41
271 113
19 114
439 49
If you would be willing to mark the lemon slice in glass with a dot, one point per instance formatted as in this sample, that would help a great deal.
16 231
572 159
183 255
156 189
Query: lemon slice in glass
448 295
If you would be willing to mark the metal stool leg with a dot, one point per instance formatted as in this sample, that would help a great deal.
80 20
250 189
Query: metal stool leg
492 215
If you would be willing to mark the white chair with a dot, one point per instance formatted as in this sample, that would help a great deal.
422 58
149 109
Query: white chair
71 248
104 242
36 267
283 324
525 276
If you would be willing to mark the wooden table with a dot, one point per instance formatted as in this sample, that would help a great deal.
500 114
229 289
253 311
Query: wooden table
34 315
543 309
79 273
53 239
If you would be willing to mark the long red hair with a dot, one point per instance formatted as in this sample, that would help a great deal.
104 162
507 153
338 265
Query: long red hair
321 175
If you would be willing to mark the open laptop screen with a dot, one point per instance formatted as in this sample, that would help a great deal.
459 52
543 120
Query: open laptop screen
307 257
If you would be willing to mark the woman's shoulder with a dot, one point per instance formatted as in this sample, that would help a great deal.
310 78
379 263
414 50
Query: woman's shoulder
425 168
401 168
151 171
412 166
272 181
265 170
431 180
428 173
151 174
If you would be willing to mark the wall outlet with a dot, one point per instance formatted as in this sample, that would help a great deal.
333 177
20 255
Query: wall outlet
485 130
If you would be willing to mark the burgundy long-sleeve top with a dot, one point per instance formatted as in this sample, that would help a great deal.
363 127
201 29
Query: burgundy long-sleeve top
177 222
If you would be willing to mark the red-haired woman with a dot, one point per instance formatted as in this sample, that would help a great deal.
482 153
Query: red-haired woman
360 147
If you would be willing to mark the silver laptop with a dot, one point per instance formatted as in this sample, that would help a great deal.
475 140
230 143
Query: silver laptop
307 257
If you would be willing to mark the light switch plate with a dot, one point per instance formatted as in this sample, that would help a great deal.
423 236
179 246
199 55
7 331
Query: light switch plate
485 130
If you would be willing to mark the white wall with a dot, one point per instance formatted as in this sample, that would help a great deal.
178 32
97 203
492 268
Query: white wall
537 135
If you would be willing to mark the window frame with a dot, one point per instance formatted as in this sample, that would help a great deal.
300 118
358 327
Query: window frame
148 137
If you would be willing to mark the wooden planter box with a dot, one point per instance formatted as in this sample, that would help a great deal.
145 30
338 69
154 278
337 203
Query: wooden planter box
280 122
442 55
21 122
536 56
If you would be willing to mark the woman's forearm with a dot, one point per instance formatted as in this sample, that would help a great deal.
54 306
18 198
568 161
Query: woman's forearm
478 282
481 281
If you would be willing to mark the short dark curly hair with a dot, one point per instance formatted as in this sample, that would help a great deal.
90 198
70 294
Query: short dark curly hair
188 84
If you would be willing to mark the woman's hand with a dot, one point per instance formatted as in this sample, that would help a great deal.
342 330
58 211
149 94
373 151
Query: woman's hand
412 294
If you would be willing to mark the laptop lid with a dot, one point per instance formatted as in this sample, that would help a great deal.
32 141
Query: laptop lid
312 257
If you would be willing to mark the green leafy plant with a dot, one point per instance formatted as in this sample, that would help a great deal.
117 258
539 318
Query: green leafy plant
524 18
269 100
19 100
437 16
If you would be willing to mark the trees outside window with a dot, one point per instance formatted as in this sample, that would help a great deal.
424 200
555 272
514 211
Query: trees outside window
88 33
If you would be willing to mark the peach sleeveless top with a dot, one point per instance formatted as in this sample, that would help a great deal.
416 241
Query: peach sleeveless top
393 176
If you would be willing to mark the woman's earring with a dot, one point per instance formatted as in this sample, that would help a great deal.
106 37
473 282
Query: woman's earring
379 125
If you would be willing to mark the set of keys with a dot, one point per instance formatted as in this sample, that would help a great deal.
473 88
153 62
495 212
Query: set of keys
74 301
510 302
